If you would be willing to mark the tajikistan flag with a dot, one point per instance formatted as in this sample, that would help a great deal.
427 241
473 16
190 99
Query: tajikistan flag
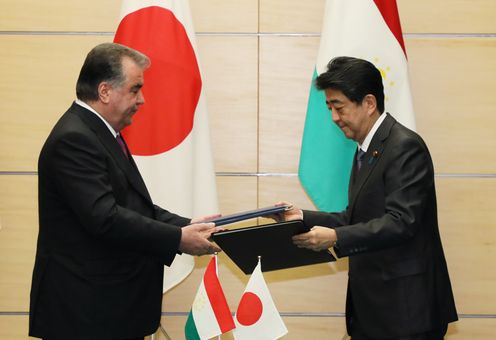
210 315
366 29
169 137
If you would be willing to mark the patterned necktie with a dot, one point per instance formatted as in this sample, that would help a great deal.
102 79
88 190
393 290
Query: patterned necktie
122 145
360 156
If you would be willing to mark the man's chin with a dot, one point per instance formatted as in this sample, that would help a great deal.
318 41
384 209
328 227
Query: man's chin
128 121
347 133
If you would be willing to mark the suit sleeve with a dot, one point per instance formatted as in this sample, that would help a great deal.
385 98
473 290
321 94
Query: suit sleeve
389 209
170 218
325 219
82 176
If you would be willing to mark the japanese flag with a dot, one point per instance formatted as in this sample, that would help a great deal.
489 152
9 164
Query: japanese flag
169 137
257 316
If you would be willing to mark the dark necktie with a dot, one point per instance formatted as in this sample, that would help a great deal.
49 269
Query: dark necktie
122 145
360 156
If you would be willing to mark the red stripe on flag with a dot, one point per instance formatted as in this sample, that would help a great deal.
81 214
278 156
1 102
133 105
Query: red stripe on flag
216 297
389 11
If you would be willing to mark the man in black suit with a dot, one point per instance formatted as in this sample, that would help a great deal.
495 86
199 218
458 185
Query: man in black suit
398 286
102 242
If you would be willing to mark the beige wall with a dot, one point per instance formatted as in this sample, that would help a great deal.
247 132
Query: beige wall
257 58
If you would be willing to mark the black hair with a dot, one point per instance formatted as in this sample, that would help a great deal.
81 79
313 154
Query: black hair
355 78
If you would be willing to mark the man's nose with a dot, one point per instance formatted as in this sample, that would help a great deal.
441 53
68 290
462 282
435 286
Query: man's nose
334 116
141 98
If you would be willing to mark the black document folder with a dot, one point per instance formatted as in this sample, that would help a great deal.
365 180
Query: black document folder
270 241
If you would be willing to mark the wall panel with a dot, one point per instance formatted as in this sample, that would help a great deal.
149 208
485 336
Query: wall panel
236 16
103 16
291 16
453 97
273 189
466 217
229 65
14 327
38 85
472 328
286 70
59 15
447 16
243 188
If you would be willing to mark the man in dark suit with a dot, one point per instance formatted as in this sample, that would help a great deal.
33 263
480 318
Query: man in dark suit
398 286
102 242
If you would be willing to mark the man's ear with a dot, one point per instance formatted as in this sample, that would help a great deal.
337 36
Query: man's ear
370 103
104 89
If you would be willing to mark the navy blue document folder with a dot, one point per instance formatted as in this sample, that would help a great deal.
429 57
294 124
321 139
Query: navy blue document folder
245 215
270 241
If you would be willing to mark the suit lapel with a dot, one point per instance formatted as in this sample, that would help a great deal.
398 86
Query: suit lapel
110 143
373 155
136 175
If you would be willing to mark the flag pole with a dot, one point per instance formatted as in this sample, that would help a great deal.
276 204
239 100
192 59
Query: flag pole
162 329
216 273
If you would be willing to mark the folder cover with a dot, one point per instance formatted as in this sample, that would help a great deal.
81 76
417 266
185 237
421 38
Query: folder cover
245 215
270 241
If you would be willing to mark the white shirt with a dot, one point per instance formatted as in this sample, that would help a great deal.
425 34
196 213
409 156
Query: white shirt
86 106
370 135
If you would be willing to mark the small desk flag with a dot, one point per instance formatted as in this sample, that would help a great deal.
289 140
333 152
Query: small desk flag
257 316
210 315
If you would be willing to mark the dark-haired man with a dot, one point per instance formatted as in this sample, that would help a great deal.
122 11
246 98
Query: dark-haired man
398 286
102 242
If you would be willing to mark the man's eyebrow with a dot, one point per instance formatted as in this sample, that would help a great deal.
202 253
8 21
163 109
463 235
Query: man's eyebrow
333 101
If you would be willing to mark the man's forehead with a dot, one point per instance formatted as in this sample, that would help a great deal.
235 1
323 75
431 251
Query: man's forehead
133 74
335 96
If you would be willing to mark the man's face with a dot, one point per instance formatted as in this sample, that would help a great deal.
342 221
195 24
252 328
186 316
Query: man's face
353 119
126 98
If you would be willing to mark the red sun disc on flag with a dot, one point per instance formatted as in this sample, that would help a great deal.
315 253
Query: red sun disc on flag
172 82
249 310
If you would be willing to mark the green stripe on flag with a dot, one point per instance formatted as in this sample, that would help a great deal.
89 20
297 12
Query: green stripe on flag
190 328
326 156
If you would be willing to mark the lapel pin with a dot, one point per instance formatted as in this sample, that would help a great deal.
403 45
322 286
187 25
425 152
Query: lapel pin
375 154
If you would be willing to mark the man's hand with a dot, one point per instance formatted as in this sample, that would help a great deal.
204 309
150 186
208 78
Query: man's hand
194 239
317 239
205 218
289 215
